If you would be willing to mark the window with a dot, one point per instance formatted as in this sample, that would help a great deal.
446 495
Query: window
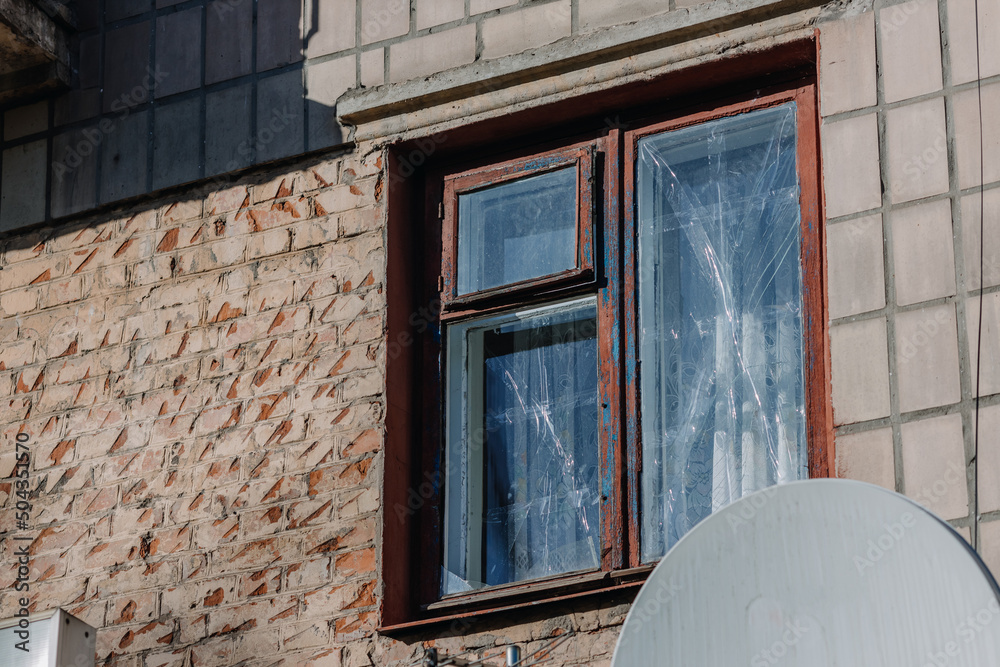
630 336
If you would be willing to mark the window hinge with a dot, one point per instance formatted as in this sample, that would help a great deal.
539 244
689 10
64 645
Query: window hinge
440 210
440 283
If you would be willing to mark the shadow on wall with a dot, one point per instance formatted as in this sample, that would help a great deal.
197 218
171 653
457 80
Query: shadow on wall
184 93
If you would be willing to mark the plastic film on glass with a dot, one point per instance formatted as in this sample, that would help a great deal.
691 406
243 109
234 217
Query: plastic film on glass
720 340
519 227
522 456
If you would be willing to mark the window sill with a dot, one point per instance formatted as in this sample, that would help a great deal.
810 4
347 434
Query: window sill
523 596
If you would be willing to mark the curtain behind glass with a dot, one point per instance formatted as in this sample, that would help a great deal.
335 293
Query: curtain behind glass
541 453
720 318
522 455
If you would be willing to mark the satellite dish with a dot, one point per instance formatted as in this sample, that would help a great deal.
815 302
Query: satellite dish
820 573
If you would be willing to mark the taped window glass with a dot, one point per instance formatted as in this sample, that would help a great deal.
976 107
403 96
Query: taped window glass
720 318
522 448
517 231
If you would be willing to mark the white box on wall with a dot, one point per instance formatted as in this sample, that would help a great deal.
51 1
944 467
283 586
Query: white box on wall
55 639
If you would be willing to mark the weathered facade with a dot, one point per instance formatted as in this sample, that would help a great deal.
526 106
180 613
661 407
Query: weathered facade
196 288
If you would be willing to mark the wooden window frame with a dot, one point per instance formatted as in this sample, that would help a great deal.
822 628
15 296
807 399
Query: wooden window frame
496 174
413 548
603 215
811 256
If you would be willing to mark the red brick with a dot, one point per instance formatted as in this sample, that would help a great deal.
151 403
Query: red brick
261 583
133 608
255 615
59 538
354 563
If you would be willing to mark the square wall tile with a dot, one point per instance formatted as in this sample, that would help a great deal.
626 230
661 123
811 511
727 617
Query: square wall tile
329 27
850 166
600 13
384 19
435 12
373 68
228 145
123 158
989 459
22 121
847 64
325 82
516 32
923 252
22 185
927 358
176 143
860 368
962 39
917 150
867 457
855 268
911 49
967 135
971 207
74 170
90 62
432 53
175 33
228 40
989 544
279 33
480 6
115 10
934 470
127 78
76 105
989 370
280 116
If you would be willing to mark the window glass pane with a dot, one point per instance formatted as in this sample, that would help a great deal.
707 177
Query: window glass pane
517 231
522 461
720 318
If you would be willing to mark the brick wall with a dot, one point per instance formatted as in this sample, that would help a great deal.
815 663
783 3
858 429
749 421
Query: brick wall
201 382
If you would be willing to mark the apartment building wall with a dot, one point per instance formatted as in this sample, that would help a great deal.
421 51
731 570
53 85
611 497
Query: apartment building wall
199 371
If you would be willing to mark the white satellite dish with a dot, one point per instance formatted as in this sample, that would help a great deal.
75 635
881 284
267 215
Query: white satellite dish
821 573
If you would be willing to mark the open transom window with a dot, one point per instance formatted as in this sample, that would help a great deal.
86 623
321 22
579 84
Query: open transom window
630 337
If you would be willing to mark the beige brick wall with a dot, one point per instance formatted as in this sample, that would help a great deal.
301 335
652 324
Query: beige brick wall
900 134
201 380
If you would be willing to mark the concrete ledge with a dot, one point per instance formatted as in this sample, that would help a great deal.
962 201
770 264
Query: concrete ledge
363 106
34 50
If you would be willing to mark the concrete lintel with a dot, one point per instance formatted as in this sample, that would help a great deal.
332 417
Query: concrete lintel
34 50
363 106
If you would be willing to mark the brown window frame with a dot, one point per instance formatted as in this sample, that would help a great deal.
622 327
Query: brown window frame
412 556
495 174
